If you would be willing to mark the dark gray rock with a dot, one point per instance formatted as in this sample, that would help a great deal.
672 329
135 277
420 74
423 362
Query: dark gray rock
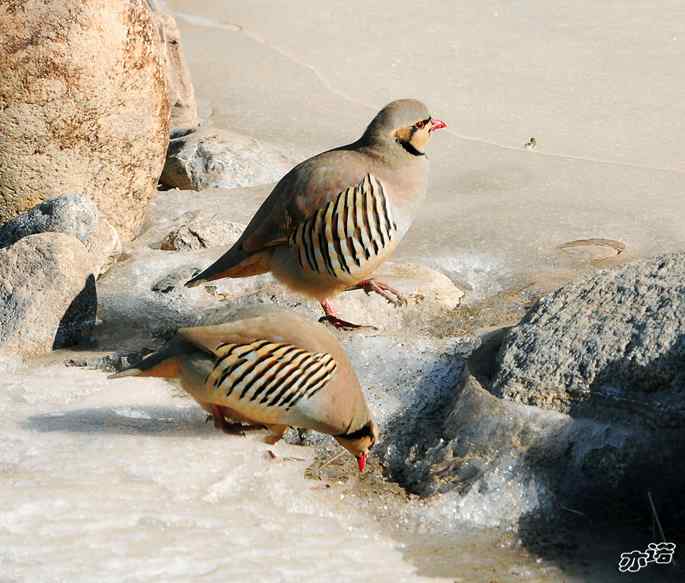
47 294
71 214
611 346
497 462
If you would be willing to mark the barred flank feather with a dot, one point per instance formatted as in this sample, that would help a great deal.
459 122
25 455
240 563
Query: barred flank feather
344 235
271 374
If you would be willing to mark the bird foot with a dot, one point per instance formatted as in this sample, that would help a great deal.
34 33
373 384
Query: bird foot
230 428
339 323
221 424
391 295
277 432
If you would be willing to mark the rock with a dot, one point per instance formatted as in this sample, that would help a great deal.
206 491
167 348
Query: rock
609 346
213 158
430 298
504 462
181 92
47 294
71 214
83 106
174 279
202 230
419 283
104 246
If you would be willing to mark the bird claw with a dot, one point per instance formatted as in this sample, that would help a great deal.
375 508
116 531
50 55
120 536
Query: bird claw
232 429
221 424
391 295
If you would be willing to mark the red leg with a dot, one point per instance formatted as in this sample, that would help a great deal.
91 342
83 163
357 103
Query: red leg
333 319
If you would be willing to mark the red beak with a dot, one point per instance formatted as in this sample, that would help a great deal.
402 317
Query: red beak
361 461
437 124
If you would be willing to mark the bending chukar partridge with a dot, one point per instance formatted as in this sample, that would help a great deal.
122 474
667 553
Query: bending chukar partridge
275 370
334 218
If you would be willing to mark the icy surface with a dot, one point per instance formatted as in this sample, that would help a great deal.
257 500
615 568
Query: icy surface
122 481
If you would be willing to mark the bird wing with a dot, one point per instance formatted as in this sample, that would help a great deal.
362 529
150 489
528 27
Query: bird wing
264 375
297 196
258 372
302 192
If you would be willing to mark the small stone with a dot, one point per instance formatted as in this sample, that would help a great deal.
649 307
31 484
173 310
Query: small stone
201 230
174 279
213 158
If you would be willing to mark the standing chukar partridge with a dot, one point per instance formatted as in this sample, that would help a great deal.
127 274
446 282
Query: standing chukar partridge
333 219
275 370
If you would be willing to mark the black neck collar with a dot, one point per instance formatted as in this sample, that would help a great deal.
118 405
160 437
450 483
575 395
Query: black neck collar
411 149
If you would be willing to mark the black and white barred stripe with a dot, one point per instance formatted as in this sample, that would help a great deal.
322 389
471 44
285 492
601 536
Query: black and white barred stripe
270 374
347 232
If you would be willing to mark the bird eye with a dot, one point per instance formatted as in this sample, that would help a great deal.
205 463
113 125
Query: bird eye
422 124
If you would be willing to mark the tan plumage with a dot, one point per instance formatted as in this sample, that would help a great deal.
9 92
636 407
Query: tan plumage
334 218
273 369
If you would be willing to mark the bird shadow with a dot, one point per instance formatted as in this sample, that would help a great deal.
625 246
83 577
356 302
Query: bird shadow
134 420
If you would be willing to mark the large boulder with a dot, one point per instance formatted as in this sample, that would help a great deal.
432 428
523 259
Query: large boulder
581 406
214 158
181 92
612 344
83 106
504 462
72 214
47 294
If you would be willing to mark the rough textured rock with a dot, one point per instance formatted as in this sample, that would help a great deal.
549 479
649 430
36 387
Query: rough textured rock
83 106
212 158
71 214
611 345
181 92
47 294
201 230
513 461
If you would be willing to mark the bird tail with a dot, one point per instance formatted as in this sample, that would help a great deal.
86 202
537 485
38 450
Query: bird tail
235 263
163 363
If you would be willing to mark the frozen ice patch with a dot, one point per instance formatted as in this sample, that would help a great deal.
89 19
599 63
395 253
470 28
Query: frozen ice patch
481 275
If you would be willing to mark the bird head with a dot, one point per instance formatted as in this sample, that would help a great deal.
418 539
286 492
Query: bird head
359 442
405 123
